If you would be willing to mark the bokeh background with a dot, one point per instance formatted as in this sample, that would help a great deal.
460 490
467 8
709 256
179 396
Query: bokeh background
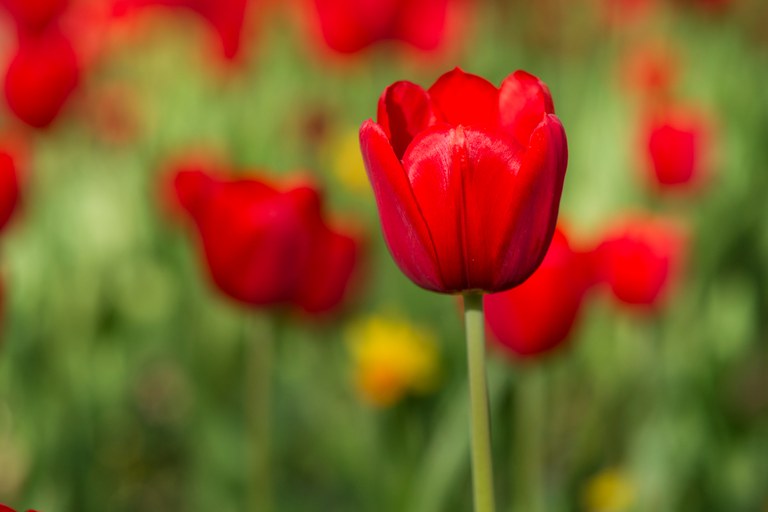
128 382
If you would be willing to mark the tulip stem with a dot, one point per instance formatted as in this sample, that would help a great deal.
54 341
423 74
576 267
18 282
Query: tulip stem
482 464
258 396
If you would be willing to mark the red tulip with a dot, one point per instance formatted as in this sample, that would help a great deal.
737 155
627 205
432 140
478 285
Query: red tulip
268 247
467 178
638 259
34 15
226 17
9 186
41 77
538 315
676 142
348 26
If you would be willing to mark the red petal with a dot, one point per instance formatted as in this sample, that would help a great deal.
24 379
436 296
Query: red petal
329 272
9 187
466 185
41 77
534 214
405 110
538 315
405 230
465 99
524 100
349 26
422 23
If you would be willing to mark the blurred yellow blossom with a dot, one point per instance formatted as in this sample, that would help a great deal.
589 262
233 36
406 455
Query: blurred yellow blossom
347 162
392 358
611 490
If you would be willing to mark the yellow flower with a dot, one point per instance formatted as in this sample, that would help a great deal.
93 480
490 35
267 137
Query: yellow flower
347 162
392 358
611 490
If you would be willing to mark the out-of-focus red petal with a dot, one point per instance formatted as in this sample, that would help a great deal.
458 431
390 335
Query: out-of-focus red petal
9 187
539 187
403 224
349 26
329 272
250 242
41 77
466 99
34 15
538 315
524 100
404 110
422 23
226 17
192 187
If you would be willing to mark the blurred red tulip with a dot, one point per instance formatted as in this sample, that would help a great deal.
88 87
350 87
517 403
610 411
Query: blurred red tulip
226 17
9 185
41 77
638 259
538 315
34 15
467 178
676 143
266 247
349 26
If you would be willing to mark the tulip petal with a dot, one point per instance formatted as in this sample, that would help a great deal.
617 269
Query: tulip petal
422 23
328 273
404 227
524 100
466 99
405 109
465 183
539 187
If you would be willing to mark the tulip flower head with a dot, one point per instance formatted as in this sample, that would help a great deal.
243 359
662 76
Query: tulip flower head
676 144
392 358
639 258
41 77
225 17
268 247
467 179
349 26
538 315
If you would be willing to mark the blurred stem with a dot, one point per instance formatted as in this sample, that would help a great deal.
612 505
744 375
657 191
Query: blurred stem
482 464
258 395
527 454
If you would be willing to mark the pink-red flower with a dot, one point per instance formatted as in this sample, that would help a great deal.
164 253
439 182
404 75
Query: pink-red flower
467 178
265 246
225 17
677 141
538 315
41 77
349 26
638 259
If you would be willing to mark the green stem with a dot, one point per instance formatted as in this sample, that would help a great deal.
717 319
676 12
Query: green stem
527 454
482 464
258 394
